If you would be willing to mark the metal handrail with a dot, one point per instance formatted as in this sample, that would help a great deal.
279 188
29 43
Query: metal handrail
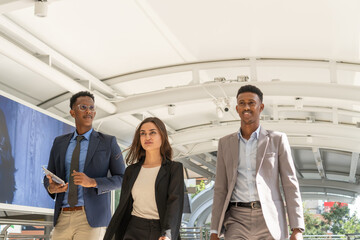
203 233
9 221
4 235
192 233
22 237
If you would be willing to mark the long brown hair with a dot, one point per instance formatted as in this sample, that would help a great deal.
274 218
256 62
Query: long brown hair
137 152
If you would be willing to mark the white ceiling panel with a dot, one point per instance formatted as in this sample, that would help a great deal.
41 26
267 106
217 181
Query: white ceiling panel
264 28
156 83
106 39
140 56
24 83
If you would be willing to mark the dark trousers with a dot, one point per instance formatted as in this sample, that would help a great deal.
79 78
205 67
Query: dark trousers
142 229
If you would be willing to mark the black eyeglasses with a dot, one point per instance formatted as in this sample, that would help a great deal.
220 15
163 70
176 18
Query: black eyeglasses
83 108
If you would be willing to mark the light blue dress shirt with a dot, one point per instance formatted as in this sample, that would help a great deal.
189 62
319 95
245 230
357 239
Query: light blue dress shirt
84 145
245 187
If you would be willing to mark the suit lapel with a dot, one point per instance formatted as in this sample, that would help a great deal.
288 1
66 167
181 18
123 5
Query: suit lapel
93 143
162 172
234 148
62 150
263 142
134 175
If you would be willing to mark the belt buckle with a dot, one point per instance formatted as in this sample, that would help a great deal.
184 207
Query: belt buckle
252 204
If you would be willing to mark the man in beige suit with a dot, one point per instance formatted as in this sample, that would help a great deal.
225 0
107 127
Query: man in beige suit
250 165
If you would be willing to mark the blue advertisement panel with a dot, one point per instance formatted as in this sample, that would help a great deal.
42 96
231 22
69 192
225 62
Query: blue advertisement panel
26 137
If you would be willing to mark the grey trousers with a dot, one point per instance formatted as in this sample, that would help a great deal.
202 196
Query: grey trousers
245 224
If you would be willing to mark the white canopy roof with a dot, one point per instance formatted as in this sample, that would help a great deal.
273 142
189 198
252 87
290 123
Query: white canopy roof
139 57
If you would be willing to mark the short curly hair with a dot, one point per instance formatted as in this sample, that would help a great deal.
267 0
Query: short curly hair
80 94
251 88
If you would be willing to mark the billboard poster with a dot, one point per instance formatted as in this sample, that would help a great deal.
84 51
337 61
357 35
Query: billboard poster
26 137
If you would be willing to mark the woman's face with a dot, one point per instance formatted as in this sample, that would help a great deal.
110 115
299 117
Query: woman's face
150 137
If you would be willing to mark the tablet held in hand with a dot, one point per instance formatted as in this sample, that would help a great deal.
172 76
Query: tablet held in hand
54 177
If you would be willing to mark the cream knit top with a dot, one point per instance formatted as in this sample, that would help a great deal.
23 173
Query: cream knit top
143 193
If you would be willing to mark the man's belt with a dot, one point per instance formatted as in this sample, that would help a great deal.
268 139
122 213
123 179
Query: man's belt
252 205
73 208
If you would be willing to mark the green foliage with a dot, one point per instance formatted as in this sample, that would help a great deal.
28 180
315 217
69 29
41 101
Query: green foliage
199 188
352 226
340 220
336 218
314 225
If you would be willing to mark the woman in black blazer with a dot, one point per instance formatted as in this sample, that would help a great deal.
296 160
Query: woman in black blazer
152 192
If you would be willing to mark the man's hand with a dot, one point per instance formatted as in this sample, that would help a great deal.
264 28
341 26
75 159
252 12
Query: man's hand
164 238
55 187
214 236
296 235
83 180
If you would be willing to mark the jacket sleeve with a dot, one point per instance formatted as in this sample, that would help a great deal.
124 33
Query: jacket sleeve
117 218
175 201
220 189
116 167
51 168
290 185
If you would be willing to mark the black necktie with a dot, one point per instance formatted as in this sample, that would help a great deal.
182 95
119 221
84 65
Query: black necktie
73 189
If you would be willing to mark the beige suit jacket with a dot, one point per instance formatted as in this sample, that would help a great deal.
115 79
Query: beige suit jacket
274 163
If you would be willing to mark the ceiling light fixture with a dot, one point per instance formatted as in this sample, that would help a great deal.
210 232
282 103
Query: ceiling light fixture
41 8
310 119
171 109
220 79
242 78
215 142
219 112
226 104
222 106
299 103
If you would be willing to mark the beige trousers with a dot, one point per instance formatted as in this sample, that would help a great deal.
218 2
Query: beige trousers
245 224
73 225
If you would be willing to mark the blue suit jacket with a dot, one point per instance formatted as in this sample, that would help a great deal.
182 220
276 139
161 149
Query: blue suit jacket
103 155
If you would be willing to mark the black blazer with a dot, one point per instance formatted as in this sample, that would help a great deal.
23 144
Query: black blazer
169 195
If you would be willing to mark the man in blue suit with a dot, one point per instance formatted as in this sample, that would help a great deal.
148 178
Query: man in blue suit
92 165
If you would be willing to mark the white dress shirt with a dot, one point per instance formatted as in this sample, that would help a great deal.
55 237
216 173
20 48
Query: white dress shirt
245 187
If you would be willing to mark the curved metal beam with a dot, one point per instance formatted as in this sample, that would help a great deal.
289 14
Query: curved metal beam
239 62
226 63
35 45
347 145
195 168
27 60
200 92
340 186
202 197
341 137
195 214
328 198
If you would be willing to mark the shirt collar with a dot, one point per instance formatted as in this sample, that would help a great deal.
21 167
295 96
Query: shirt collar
255 134
86 135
